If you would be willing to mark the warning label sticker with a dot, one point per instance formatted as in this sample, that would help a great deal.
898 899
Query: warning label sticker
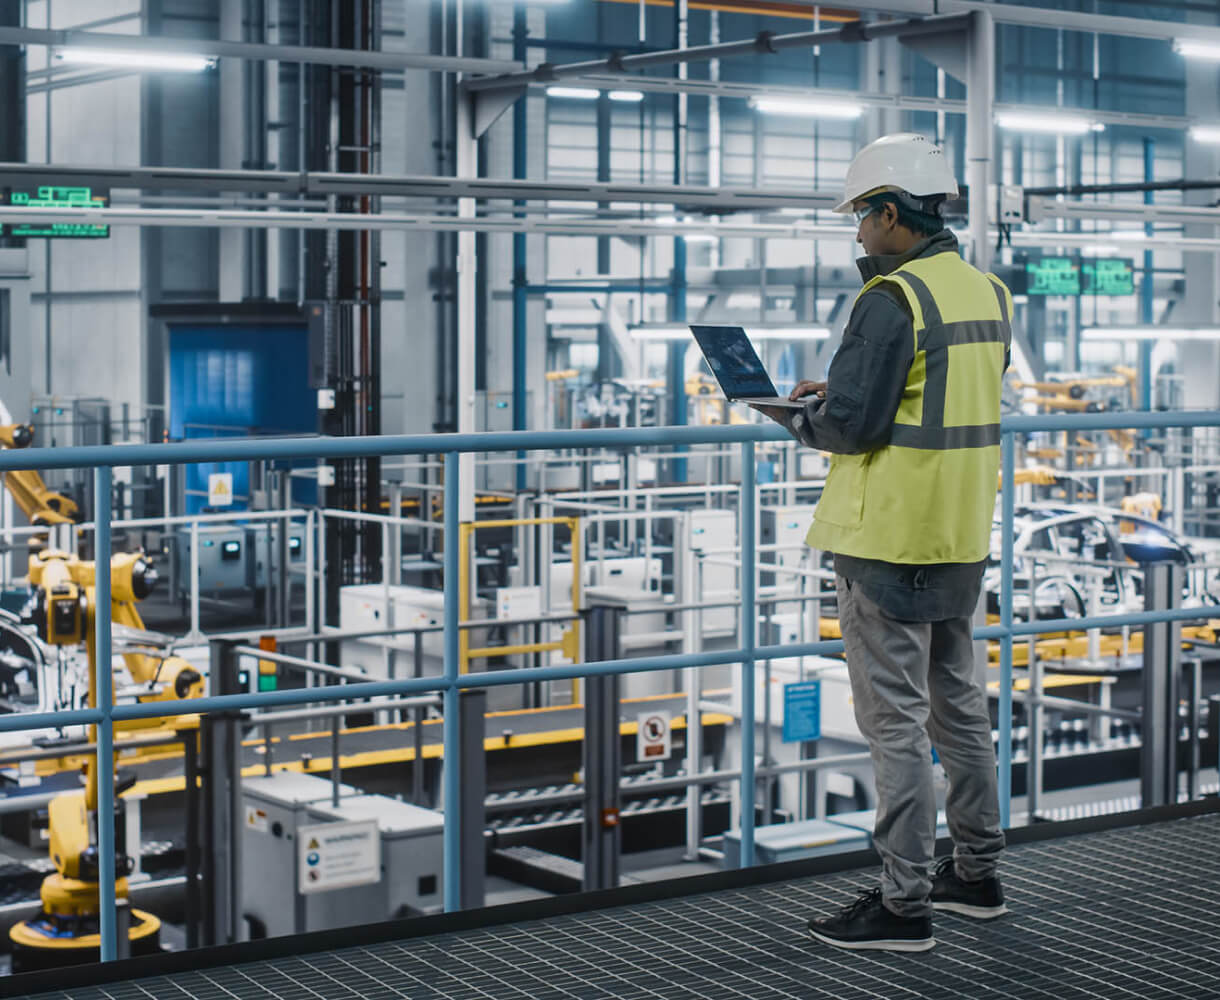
338 855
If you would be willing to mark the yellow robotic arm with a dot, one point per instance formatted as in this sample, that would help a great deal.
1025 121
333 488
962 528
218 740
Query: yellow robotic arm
40 504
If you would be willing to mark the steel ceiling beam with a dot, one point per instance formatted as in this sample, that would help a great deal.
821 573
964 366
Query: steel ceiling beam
290 184
163 45
387 221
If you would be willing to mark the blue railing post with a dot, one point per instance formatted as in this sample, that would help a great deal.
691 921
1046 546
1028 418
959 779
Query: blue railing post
103 686
453 830
1007 488
749 618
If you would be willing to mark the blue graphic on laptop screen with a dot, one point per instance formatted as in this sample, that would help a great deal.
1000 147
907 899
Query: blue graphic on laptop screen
734 362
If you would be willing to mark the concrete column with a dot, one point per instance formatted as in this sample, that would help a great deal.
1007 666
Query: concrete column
232 241
980 99
1198 360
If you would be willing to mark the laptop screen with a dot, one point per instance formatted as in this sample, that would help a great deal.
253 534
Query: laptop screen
733 361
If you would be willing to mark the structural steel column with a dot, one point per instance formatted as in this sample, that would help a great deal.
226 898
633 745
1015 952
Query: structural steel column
520 262
467 166
1147 285
602 839
1162 665
980 100
473 769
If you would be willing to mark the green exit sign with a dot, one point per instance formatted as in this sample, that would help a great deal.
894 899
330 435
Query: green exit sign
1109 277
1065 276
52 196
1053 276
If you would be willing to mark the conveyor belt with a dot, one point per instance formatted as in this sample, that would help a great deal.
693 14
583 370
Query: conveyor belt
1099 909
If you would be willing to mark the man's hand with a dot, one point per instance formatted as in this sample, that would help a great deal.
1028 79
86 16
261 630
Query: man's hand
807 388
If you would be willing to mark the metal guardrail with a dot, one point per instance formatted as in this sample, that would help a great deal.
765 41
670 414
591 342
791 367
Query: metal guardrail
106 458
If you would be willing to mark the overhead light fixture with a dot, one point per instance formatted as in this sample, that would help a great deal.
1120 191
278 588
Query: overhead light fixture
1151 333
675 332
1050 123
626 96
1208 134
811 107
1099 249
574 93
1194 49
129 59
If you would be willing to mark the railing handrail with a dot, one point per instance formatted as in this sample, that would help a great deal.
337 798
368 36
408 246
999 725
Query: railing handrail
275 449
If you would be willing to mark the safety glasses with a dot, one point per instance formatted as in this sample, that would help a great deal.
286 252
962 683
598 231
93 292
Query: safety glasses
864 213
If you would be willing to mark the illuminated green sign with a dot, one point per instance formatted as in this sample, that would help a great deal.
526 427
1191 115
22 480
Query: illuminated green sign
50 196
1109 277
1053 276
1064 276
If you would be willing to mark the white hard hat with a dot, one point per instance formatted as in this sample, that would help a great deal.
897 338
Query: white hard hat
904 161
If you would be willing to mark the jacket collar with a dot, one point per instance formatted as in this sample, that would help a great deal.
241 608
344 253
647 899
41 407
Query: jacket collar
871 267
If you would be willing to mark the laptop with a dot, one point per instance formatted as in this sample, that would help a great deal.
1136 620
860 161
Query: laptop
737 368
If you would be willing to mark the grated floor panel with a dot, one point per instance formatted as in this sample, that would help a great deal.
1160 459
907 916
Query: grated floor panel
1116 914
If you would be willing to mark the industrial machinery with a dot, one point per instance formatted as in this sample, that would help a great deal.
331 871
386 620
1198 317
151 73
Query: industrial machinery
39 503
63 608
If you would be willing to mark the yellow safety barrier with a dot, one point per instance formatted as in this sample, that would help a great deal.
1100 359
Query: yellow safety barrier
569 641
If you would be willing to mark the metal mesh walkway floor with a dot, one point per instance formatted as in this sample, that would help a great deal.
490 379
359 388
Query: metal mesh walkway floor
1114 913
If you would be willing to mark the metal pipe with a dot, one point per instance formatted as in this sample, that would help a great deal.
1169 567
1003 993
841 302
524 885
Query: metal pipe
1007 492
326 713
749 616
452 791
762 44
241 450
104 694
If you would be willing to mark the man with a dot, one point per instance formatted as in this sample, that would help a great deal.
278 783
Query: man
911 412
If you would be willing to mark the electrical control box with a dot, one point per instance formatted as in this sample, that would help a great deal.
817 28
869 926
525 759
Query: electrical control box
412 855
273 807
373 607
714 532
785 528
224 560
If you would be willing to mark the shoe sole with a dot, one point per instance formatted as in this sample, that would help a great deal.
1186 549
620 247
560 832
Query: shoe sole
966 910
885 944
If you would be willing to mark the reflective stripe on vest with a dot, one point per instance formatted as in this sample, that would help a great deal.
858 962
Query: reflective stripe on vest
928 496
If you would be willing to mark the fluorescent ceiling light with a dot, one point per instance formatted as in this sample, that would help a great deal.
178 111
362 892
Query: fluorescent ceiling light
574 93
672 332
1195 49
626 96
1151 333
1052 123
129 59
1209 134
813 107
1099 249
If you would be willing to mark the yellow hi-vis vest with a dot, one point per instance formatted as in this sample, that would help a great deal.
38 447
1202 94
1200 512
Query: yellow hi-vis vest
929 495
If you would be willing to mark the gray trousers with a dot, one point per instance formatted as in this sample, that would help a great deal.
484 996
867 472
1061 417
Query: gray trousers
911 681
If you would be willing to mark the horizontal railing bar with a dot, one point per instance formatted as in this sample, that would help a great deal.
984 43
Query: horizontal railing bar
236 450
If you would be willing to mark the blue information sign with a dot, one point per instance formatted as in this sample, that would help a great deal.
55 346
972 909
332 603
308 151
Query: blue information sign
802 711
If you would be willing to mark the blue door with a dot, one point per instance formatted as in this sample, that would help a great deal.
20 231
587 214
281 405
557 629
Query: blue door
238 381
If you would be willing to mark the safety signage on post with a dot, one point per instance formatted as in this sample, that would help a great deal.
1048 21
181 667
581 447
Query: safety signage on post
802 711
654 736
338 855
220 489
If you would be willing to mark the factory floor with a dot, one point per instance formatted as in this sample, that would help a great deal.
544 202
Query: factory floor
1102 907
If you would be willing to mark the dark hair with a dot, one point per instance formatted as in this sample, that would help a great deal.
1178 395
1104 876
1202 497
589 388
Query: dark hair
927 223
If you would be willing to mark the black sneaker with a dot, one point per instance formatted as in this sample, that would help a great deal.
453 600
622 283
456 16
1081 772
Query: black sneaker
866 924
983 900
